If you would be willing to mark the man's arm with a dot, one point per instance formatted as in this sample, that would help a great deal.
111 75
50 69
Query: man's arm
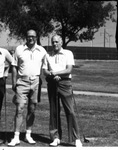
64 72
57 75
8 57
14 77
7 63
46 72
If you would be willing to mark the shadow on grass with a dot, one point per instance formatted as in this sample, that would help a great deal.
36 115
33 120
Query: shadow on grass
7 136
39 138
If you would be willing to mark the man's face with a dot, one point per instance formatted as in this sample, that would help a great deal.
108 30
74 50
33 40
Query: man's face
56 43
31 37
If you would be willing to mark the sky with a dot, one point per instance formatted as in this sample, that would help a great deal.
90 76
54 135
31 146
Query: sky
97 42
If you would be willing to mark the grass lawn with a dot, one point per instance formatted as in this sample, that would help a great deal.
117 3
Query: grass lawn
100 76
97 76
97 115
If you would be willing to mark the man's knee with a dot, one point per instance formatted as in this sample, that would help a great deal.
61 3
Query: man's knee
32 108
19 109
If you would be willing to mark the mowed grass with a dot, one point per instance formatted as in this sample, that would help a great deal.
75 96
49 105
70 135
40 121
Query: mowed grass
94 75
98 76
96 115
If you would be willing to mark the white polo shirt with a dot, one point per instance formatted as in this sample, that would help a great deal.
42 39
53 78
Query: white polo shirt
28 61
58 62
4 55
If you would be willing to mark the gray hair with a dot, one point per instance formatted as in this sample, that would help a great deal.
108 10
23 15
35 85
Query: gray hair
58 36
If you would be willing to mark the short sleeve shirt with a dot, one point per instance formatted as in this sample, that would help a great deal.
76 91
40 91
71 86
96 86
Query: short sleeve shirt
58 62
4 54
29 62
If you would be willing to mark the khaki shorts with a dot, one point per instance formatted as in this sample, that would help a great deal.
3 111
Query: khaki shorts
27 90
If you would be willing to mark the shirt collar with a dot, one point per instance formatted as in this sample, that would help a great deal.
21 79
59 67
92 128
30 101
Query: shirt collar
35 47
60 52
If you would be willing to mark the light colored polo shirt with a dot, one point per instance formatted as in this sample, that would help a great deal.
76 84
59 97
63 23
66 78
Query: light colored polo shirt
29 62
4 56
58 62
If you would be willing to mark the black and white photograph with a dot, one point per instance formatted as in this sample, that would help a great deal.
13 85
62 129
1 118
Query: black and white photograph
58 74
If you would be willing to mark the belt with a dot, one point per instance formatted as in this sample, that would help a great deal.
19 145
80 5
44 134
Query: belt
29 77
65 78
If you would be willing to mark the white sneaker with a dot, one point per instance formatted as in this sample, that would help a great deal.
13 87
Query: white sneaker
56 142
78 143
14 142
30 140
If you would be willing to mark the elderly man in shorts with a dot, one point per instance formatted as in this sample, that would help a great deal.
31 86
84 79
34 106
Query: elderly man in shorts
27 63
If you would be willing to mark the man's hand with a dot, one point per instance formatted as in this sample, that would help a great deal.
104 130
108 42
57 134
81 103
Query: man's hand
14 87
57 78
53 73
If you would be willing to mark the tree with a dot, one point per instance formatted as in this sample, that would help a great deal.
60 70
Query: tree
72 19
79 19
19 16
116 36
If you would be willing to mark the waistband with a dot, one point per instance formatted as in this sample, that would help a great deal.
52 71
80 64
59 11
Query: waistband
29 77
65 78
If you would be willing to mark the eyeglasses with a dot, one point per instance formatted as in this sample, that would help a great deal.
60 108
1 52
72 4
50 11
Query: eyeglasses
31 36
55 42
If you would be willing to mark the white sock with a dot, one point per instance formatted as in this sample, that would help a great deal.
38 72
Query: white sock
28 133
16 135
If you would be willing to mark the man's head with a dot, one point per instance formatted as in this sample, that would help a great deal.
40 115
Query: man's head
56 42
31 37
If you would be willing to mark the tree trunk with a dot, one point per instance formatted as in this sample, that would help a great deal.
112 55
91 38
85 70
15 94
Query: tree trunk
116 37
64 42
38 39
